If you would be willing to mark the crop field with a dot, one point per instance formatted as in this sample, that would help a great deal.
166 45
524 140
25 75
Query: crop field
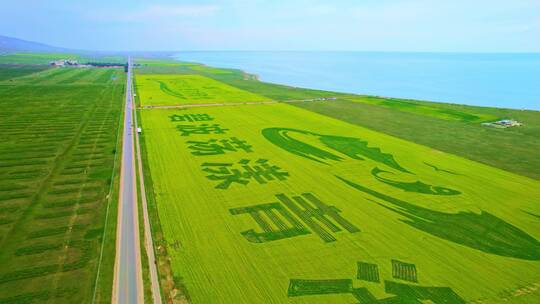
432 110
12 71
169 90
276 204
35 58
45 58
57 149
162 62
65 76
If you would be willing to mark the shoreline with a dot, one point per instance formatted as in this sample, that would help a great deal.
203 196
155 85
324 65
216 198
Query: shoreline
272 77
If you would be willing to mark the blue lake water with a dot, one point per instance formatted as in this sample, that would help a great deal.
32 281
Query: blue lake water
500 80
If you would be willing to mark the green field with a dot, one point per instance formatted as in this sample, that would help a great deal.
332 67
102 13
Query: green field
58 136
161 62
412 106
67 76
35 58
168 90
12 70
357 199
46 58
276 204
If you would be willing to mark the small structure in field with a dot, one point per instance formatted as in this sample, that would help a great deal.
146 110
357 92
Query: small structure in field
504 123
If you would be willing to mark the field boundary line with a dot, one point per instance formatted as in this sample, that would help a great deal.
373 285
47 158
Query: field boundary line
234 104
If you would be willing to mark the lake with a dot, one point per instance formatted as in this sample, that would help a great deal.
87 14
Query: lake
499 80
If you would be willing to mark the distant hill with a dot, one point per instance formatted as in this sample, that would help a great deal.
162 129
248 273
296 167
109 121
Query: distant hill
10 44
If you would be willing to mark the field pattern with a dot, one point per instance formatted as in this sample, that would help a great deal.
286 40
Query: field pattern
12 71
427 109
46 58
169 90
57 148
35 58
68 76
294 200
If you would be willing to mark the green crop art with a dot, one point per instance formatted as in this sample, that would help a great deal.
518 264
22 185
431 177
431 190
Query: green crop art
190 117
165 89
287 225
354 148
312 215
218 146
368 272
418 186
202 129
404 271
437 169
243 172
402 293
484 231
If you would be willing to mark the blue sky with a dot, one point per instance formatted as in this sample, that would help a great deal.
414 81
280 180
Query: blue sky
361 25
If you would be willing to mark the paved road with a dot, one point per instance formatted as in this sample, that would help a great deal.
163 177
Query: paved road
128 285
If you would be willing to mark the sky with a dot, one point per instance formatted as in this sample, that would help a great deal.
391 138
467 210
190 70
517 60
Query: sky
352 25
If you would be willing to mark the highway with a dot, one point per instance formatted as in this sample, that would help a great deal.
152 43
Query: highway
128 282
